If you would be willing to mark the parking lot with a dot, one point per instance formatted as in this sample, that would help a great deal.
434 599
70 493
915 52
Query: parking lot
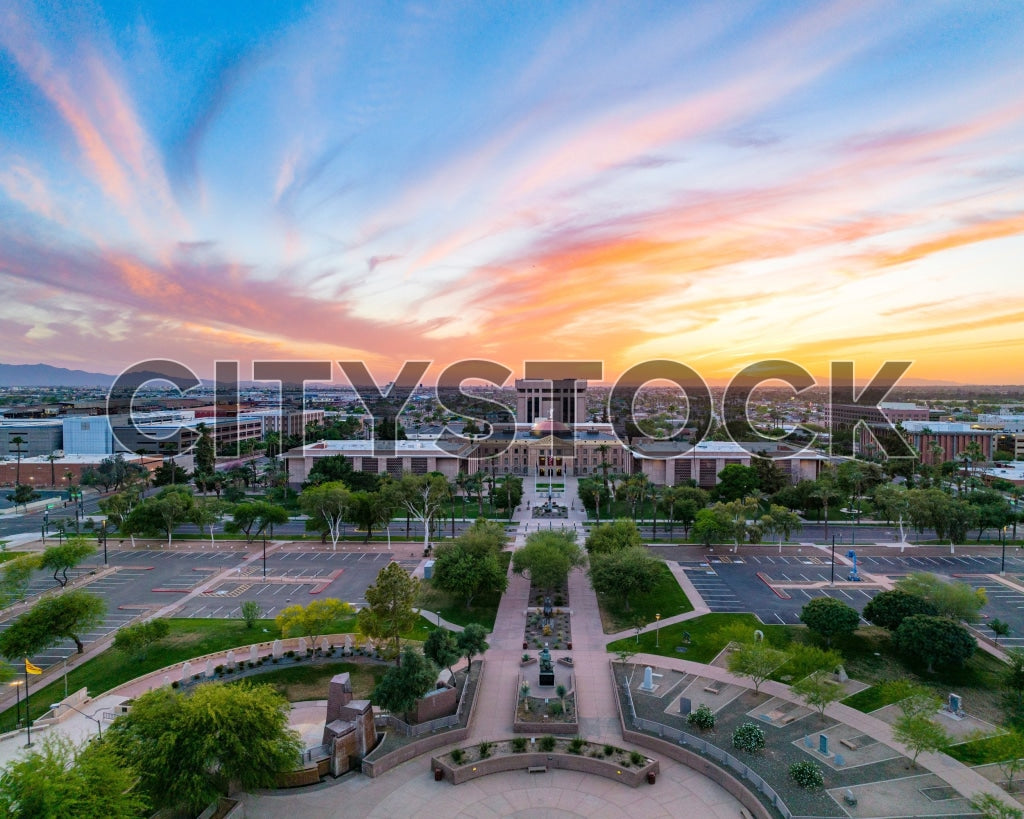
145 580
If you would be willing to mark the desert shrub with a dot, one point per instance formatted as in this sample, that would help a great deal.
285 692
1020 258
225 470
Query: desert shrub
555 709
484 749
637 758
518 744
547 743
703 718
576 745
458 755
806 775
608 750
748 737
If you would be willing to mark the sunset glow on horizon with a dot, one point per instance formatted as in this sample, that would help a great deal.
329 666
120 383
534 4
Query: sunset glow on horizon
714 183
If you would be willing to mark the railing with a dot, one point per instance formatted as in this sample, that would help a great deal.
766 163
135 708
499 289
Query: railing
386 720
315 752
705 748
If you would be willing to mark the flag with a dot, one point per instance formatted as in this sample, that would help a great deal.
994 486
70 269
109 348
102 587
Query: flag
32 669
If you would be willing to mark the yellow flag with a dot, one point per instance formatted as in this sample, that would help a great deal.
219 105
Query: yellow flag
32 669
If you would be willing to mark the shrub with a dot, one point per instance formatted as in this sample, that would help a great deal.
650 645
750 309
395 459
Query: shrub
484 749
608 750
748 737
526 657
518 745
218 669
703 718
458 755
547 743
176 684
806 775
556 709
637 758
576 745
289 654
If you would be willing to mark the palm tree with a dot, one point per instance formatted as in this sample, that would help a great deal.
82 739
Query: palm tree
53 475
17 440
825 491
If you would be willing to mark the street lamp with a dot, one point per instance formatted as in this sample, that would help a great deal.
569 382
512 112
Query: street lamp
103 538
833 580
17 704
1002 565
657 631
99 724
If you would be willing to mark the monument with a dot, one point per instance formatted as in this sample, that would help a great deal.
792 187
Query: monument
547 670
648 683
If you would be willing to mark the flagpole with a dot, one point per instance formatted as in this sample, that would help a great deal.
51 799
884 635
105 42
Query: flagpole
28 714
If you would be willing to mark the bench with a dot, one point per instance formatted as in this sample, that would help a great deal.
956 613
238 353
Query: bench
849 798
537 769
853 746
789 719
711 689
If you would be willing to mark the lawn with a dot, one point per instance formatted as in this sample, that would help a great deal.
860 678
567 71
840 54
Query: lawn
188 638
483 611
666 599
978 752
5 555
705 642
309 682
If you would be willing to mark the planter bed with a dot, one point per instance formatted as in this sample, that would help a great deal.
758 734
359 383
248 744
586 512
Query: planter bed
591 759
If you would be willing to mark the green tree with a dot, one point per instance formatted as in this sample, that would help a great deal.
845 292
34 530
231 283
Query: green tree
313 619
713 525
327 505
254 517
65 556
736 482
992 807
806 659
389 606
251 611
370 510
135 640
422 497
624 573
189 750
339 468
919 733
468 566
52 619
952 599
756 661
780 521
162 513
17 440
472 640
402 685
934 640
829 618
206 451
15 575
889 608
1013 676
442 648
818 691
1008 750
56 779
169 474
999 628
548 557
610 537
23 495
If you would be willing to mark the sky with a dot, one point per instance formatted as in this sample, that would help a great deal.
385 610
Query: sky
711 183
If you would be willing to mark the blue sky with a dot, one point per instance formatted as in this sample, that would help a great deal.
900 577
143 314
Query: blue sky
713 183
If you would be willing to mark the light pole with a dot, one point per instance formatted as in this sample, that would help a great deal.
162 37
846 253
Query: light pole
17 704
99 724
833 580
103 537
657 631
1002 565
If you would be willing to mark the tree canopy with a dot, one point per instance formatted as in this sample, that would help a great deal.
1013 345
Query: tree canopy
934 640
829 618
951 598
52 619
548 557
402 685
613 536
313 619
389 608
65 556
624 573
889 608
468 566
189 749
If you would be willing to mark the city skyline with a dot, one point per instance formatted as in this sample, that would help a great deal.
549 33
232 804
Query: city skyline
714 185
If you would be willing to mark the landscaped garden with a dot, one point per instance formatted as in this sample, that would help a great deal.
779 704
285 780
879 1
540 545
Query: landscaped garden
666 599
484 607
